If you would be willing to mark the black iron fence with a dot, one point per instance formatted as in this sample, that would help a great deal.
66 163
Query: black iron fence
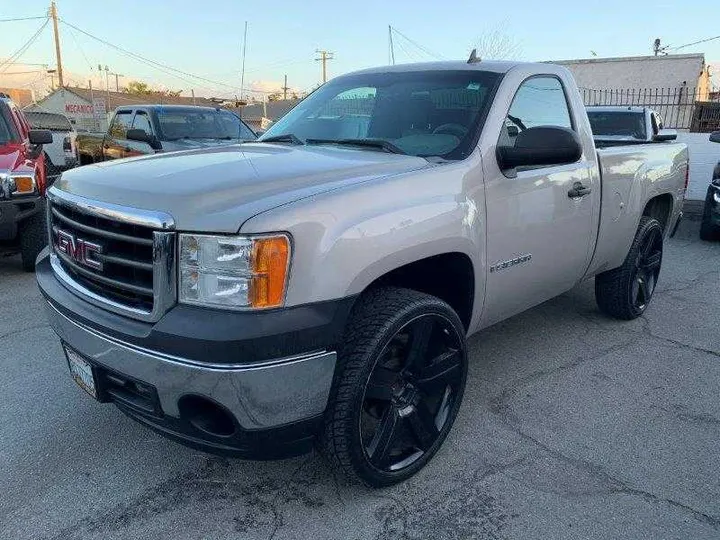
682 107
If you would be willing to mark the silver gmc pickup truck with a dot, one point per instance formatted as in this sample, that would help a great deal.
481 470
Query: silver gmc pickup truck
318 286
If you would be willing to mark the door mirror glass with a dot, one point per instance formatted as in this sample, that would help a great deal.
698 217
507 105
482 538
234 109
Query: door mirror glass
40 136
143 136
541 146
665 135
715 136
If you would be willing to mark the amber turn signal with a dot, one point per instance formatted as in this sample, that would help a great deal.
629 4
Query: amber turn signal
270 260
24 184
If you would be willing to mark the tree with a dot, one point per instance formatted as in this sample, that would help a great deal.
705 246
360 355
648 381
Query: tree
497 45
275 96
137 88
140 88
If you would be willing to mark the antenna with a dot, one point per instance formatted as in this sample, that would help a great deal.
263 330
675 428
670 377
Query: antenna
474 58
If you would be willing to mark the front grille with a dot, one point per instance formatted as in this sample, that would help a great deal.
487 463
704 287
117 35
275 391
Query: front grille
119 258
126 256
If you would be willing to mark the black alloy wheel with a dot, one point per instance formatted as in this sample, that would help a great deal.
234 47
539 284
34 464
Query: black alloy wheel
410 393
398 385
647 269
626 291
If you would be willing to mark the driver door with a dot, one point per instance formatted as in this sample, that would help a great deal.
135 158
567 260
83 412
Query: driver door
539 238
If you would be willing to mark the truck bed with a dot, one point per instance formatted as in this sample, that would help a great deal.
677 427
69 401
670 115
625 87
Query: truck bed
632 174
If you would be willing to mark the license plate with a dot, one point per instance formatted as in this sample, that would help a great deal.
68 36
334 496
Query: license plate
81 371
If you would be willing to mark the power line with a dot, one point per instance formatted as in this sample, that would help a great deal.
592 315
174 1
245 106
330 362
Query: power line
147 60
17 54
416 44
79 47
23 19
695 43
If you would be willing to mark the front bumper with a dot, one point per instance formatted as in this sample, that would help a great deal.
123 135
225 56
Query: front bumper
14 211
276 404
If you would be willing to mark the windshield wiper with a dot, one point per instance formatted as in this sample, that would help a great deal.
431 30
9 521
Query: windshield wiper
381 144
285 137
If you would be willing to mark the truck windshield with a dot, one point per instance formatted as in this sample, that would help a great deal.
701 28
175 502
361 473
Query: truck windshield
618 123
420 113
51 121
179 123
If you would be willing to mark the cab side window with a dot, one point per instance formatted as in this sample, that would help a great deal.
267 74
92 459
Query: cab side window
142 121
120 124
540 101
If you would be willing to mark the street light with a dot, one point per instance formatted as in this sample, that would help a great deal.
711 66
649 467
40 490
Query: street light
51 72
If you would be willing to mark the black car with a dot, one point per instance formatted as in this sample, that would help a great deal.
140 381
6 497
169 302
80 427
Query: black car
710 226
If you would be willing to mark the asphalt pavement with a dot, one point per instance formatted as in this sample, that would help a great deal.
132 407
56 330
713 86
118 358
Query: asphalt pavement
574 426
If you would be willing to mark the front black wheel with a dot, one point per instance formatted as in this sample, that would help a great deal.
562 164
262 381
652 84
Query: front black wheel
625 292
398 387
33 238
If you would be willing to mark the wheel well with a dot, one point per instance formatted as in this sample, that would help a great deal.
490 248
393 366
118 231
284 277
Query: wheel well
449 276
660 208
86 159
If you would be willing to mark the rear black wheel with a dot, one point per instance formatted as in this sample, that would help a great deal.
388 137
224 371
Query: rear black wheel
398 388
626 291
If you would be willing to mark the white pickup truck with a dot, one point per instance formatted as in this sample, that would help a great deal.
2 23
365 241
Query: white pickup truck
318 286
620 125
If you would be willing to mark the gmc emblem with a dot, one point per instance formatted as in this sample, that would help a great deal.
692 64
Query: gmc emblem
79 250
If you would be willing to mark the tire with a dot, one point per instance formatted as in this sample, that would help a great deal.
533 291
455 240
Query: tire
708 230
33 238
625 292
385 390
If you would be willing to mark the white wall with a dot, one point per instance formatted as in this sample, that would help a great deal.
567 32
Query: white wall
79 111
704 155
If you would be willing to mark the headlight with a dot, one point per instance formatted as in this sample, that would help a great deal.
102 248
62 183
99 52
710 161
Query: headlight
234 271
716 196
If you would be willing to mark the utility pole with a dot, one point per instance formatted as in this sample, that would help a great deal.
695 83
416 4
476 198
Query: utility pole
53 14
192 93
324 57
285 89
392 45
117 83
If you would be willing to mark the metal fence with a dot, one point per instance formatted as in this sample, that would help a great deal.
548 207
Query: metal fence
678 106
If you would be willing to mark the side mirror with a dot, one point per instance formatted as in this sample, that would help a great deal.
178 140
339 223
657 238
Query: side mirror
542 145
143 136
665 135
715 136
40 136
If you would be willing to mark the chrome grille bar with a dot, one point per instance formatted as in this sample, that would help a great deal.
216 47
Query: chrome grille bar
137 274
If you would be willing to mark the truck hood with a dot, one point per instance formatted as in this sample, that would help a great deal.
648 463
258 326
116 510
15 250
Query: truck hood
218 189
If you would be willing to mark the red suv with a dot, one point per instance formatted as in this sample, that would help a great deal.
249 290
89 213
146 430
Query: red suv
22 184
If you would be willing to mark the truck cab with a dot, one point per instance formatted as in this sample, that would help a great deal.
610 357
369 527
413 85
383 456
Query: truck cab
621 125
149 129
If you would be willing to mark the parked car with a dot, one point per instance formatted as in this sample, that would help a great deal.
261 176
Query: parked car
61 154
621 125
319 285
148 129
22 184
710 224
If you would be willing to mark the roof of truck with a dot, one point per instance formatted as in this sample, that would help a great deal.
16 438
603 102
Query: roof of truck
496 67
616 108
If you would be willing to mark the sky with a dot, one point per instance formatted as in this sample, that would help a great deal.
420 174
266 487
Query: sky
205 39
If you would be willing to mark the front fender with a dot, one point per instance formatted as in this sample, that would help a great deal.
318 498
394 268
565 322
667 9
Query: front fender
346 239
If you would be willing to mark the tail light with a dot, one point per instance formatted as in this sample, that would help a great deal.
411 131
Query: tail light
67 144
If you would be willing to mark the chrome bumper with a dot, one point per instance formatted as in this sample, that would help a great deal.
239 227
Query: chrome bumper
260 396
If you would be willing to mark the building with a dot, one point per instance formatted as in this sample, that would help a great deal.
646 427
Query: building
641 72
670 84
89 109
21 96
